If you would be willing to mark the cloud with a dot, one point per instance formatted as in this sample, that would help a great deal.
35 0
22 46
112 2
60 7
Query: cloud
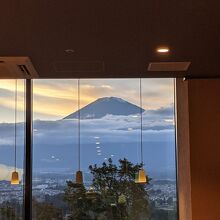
54 99
55 143
107 87
7 99
6 141
6 171
167 111
10 85
157 125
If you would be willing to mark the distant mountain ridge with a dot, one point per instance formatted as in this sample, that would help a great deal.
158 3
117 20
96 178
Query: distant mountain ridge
106 106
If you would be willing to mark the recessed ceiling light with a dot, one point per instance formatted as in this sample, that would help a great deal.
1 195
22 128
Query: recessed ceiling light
163 49
69 51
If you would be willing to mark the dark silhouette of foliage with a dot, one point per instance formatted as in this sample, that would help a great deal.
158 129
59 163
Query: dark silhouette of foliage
114 194
10 210
7 212
46 211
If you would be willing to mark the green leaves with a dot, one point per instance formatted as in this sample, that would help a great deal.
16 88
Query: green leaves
115 193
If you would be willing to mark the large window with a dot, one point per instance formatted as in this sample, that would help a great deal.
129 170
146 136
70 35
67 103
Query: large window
110 149
107 150
11 148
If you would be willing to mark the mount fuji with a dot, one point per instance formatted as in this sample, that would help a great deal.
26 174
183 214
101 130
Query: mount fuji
106 106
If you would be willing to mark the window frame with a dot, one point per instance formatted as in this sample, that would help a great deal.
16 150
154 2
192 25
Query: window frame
180 162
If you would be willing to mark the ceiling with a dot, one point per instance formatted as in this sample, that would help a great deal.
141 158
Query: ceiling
112 38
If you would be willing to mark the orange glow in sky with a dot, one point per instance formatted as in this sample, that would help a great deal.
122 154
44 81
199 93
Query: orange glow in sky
54 99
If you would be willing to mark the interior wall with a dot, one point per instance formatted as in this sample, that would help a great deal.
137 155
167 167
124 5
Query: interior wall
199 148
204 127
183 152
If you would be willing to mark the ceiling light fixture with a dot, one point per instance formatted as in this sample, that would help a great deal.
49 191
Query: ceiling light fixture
15 175
141 177
163 49
79 174
69 51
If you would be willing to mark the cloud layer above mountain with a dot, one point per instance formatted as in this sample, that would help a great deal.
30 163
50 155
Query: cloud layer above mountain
56 142
54 99
157 124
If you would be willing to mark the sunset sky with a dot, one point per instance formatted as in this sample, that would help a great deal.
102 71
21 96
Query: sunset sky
54 99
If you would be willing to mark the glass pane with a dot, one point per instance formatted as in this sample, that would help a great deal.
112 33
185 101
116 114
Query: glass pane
11 156
110 149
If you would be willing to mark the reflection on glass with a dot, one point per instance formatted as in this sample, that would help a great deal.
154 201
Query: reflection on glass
110 150
11 134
